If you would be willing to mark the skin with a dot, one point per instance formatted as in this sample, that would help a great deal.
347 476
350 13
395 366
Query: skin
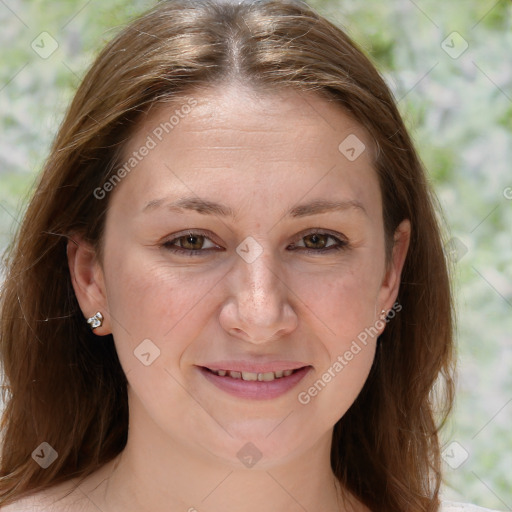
260 154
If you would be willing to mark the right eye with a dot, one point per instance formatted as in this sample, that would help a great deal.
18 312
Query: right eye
191 243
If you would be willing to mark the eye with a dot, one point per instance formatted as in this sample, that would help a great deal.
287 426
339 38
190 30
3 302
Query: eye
190 243
321 242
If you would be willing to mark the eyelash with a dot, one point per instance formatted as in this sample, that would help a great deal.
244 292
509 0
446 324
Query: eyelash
169 244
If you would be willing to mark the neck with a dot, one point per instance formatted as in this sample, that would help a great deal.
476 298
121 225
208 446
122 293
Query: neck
156 473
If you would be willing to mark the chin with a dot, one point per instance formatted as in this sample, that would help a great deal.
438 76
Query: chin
259 443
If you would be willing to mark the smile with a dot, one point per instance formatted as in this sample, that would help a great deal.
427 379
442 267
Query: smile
255 385
248 376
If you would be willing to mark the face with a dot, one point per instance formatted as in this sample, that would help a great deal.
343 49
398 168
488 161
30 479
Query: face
246 242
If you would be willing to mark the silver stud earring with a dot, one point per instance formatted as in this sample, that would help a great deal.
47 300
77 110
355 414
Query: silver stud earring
95 321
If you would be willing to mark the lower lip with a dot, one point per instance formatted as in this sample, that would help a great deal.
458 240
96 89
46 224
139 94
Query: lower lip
253 389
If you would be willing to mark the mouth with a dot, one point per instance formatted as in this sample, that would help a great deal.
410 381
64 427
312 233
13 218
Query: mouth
255 384
252 376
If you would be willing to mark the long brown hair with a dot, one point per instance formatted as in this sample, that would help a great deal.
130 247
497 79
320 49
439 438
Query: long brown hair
64 388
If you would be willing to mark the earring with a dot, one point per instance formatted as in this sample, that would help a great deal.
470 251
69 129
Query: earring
383 314
95 321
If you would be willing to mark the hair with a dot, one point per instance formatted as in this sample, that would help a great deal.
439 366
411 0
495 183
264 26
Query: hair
62 387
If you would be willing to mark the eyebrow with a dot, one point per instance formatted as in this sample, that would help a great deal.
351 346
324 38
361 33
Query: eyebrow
206 207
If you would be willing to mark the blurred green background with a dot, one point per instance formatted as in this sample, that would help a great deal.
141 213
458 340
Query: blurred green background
449 65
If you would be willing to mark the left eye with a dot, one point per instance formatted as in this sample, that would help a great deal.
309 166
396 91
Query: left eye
318 241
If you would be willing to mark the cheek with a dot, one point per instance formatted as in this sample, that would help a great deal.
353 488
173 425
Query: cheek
343 300
341 311
149 300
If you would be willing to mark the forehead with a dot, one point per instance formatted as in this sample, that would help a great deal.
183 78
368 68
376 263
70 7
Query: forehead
281 142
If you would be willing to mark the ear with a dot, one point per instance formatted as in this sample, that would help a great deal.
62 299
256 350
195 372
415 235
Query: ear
391 283
88 281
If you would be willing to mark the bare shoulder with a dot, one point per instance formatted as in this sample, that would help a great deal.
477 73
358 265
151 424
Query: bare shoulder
451 506
60 498
74 495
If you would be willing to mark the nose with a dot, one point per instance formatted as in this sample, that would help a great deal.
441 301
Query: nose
257 309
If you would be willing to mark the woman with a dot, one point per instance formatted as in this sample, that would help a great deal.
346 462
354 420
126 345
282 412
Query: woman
229 289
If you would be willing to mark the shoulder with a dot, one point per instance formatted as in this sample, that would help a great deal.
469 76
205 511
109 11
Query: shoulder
69 496
452 506
60 498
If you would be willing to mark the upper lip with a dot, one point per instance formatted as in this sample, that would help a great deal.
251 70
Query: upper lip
252 367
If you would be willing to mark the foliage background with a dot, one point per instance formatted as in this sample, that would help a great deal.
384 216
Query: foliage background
459 111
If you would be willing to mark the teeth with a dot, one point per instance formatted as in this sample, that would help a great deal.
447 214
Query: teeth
250 376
